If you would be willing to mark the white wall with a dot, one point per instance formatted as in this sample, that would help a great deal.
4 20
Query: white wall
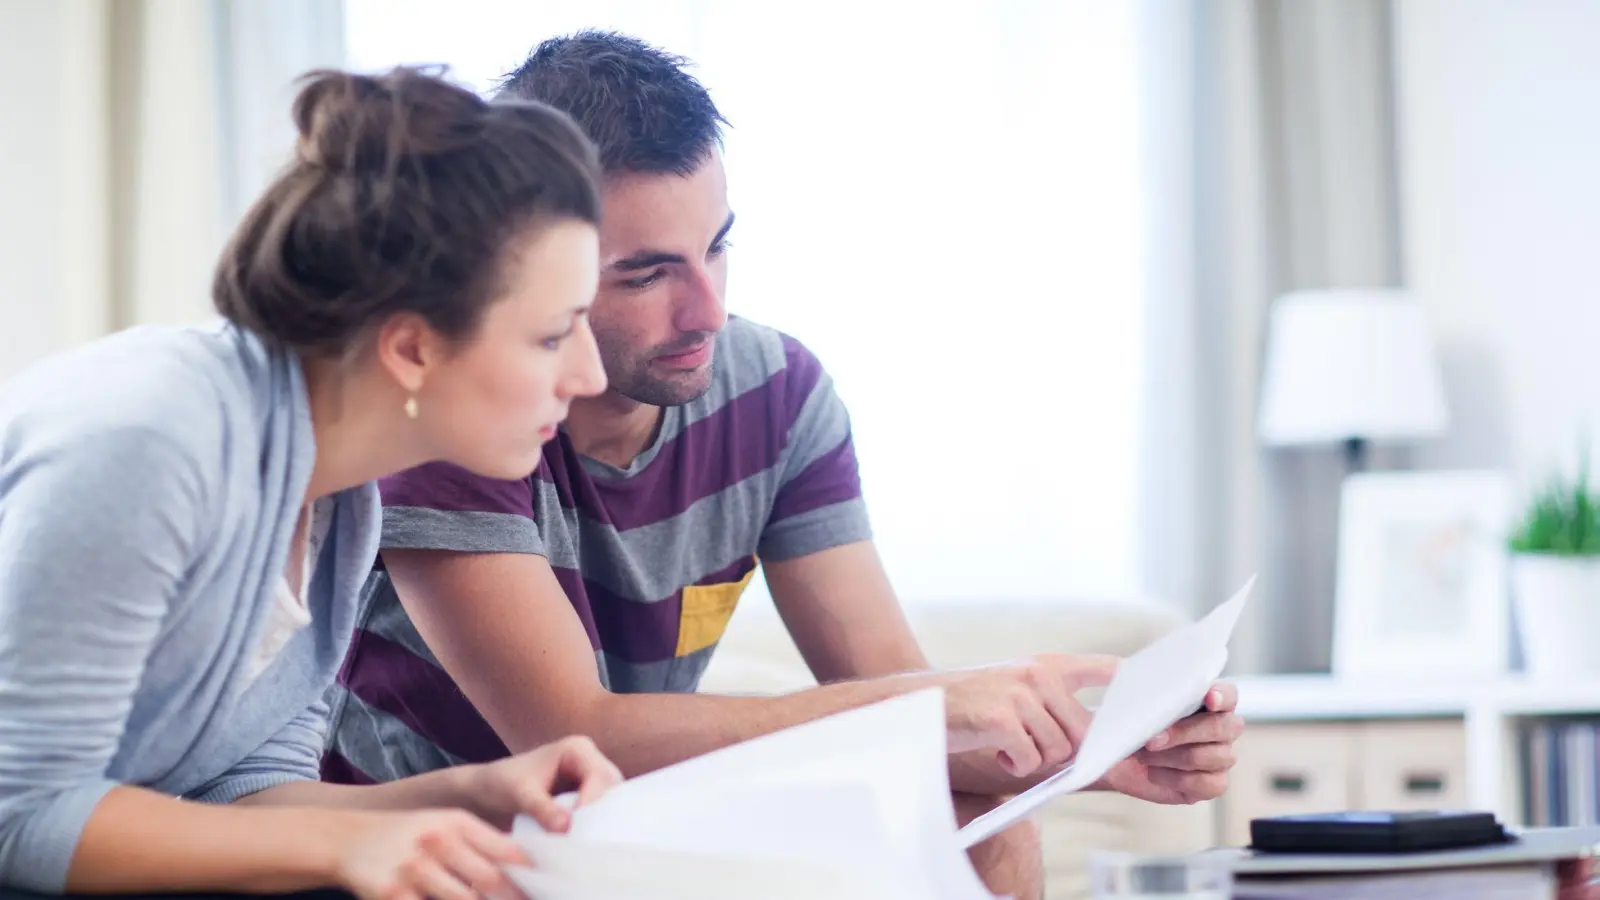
109 189
1500 158
30 170
132 135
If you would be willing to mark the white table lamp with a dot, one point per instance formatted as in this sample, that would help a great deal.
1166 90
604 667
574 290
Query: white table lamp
1350 367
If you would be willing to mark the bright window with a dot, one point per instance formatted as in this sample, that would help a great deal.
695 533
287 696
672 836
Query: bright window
948 209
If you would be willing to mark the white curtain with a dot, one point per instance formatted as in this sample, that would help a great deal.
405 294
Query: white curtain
1295 187
262 48
150 123
955 210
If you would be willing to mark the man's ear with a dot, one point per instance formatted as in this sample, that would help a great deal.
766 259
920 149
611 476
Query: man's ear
408 349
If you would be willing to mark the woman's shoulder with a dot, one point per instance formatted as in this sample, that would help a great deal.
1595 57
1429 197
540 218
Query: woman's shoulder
184 386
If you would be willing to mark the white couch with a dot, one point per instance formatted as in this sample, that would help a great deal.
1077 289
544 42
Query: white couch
757 656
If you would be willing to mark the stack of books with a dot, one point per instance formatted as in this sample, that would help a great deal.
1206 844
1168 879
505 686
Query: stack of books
1523 868
1561 772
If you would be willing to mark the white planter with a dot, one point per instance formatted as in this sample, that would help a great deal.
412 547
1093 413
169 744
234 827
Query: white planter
1558 613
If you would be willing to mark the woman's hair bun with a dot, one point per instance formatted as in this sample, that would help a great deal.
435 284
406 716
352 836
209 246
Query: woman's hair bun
349 121
405 194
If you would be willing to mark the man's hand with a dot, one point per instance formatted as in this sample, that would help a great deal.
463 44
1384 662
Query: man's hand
1188 762
1026 709
1573 880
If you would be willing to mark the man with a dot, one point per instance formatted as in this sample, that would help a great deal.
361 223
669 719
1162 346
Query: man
587 598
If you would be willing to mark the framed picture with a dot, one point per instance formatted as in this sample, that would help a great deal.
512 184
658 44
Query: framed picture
1421 574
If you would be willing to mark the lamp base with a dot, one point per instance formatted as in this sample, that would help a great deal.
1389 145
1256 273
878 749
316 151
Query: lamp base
1355 455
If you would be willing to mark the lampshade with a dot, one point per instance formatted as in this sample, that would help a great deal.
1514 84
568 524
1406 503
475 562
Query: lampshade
1344 364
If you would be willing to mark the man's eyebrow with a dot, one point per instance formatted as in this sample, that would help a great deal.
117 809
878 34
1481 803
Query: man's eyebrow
723 231
645 259
649 259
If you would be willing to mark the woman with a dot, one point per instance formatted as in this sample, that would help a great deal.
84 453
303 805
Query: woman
186 515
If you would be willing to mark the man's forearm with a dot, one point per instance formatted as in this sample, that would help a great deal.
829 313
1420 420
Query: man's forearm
644 732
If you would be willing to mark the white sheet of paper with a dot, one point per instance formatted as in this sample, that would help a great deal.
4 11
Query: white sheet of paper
881 778
1152 689
572 869
840 821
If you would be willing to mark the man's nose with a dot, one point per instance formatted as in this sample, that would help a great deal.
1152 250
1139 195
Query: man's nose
700 307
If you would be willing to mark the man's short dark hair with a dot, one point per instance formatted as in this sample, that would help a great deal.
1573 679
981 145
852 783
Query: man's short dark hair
643 111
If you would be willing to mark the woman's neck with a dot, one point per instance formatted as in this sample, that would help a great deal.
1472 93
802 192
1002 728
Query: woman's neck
360 430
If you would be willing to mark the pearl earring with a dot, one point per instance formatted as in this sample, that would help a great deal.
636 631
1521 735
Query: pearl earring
411 407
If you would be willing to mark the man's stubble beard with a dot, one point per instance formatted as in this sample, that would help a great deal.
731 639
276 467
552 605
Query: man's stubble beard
640 386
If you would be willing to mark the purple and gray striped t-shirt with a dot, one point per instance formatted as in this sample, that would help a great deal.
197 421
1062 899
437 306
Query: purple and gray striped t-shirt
653 557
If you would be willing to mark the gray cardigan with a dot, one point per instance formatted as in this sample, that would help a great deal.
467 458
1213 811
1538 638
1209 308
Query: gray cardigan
149 486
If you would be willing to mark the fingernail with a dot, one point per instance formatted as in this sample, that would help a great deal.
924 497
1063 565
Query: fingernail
1161 740
1213 699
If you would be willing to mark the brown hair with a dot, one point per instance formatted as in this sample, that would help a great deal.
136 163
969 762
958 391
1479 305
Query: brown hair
640 105
402 196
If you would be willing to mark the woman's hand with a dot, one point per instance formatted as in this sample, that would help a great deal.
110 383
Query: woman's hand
430 855
455 855
528 782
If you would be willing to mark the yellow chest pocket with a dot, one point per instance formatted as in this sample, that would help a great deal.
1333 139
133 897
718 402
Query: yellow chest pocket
706 611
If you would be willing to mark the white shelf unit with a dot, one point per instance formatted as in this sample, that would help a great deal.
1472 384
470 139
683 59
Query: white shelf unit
1490 710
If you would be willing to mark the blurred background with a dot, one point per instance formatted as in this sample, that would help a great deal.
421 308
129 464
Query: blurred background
1129 300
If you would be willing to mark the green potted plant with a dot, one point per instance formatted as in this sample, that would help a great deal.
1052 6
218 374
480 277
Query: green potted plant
1555 577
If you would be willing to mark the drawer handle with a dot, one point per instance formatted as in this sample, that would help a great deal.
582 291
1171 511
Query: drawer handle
1285 783
1425 784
